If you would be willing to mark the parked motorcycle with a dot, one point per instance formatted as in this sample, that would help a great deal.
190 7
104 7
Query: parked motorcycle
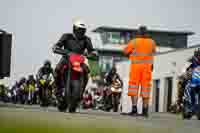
87 101
30 95
98 102
72 74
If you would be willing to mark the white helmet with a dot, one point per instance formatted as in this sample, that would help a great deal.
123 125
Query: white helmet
79 29
80 24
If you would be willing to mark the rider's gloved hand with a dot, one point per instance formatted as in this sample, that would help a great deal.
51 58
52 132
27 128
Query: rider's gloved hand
68 52
94 53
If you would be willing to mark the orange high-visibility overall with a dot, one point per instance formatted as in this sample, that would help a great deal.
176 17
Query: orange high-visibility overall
140 51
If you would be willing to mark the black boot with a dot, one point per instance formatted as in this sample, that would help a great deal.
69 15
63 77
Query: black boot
134 111
145 112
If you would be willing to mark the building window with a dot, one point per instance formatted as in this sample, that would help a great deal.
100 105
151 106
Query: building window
106 63
156 87
169 87
128 37
115 38
105 37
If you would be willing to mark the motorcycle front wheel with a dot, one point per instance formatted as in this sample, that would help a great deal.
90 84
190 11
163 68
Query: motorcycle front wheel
75 95
44 99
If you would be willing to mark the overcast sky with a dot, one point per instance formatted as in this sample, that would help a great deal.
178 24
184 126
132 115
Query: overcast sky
38 24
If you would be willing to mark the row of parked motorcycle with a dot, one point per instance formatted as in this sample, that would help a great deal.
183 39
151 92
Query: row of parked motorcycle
28 92
105 98
69 96
102 99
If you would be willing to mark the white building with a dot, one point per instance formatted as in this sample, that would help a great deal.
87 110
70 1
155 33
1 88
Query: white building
168 66
169 61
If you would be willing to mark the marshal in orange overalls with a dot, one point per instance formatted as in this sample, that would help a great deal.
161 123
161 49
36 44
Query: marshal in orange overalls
140 51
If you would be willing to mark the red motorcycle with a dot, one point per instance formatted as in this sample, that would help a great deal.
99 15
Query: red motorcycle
72 75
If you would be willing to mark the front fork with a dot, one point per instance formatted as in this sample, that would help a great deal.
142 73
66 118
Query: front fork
67 85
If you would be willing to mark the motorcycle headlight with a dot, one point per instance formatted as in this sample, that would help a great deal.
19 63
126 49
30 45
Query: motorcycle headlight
76 63
42 81
78 69
77 66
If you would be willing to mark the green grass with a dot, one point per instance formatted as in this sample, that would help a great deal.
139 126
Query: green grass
37 122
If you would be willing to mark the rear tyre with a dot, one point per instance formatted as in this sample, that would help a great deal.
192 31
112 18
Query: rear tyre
198 116
187 115
115 103
198 112
23 99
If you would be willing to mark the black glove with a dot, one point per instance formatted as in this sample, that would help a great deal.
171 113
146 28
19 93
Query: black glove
94 53
93 56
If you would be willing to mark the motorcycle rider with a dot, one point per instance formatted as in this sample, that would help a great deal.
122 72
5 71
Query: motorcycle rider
193 82
76 42
31 83
31 79
22 89
111 78
14 90
46 69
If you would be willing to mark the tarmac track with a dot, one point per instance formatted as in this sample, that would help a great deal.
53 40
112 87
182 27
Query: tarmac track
156 120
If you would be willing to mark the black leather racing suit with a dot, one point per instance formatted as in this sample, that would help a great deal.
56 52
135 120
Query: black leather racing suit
44 71
71 43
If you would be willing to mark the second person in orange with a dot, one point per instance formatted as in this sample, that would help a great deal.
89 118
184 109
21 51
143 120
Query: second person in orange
140 51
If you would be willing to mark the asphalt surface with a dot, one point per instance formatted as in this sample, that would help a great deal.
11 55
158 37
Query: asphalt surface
156 120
